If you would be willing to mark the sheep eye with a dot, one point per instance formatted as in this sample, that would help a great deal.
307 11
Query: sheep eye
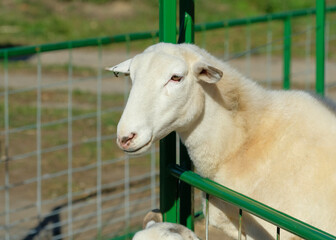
176 78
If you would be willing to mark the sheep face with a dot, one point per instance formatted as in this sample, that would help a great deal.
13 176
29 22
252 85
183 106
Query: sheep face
166 95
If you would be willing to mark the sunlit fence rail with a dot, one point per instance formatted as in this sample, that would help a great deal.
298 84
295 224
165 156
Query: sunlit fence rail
246 204
62 176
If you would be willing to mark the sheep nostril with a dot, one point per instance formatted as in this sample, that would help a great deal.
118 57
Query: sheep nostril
126 140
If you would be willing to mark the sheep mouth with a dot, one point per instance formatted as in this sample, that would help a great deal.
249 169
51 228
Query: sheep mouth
141 149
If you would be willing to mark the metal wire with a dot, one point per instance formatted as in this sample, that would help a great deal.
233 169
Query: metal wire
248 50
62 121
153 177
6 120
54 85
99 142
91 202
86 217
59 147
87 191
70 120
226 43
261 47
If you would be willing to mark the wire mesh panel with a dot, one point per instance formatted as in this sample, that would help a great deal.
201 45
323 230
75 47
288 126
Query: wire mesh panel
63 176
255 47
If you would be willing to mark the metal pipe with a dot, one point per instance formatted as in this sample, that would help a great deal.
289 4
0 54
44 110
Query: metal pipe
247 204
168 185
186 193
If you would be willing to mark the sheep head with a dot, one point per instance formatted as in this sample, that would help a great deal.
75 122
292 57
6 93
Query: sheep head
166 93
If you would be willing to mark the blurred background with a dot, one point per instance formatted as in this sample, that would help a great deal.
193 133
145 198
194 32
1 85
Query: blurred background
41 21
61 173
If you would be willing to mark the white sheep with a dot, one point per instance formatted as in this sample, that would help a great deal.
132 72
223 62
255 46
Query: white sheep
278 147
154 229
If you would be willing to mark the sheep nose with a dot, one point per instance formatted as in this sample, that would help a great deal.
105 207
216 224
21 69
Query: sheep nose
126 140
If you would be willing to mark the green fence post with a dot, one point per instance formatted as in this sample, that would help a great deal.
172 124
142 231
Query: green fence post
187 16
186 193
167 31
320 31
287 53
168 184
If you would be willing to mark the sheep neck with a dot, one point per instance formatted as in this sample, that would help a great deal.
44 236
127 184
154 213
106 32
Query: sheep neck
223 127
212 138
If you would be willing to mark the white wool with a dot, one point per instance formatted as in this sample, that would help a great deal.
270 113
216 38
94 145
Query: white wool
165 231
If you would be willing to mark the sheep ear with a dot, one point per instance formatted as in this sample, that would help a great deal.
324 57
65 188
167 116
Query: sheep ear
123 67
207 73
151 218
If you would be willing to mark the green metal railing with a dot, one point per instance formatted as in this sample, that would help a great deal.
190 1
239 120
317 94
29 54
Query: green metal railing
247 204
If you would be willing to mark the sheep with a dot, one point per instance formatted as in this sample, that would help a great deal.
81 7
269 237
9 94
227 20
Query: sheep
154 228
275 146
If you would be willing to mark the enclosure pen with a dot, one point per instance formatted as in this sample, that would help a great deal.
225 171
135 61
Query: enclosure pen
63 176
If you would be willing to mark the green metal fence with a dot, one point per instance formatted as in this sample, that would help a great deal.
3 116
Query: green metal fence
90 210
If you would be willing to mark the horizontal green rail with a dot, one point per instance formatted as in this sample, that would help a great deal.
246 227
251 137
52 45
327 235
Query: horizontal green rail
26 50
247 204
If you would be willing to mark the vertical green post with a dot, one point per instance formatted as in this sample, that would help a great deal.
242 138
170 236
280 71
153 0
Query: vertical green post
168 184
287 53
320 48
168 21
187 16
186 193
